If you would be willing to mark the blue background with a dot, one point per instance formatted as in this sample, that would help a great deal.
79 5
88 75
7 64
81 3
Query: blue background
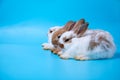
23 28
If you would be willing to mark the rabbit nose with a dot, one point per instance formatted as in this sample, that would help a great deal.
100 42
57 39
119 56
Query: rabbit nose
61 45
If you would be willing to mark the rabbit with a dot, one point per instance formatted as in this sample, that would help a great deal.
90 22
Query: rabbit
69 26
51 31
86 44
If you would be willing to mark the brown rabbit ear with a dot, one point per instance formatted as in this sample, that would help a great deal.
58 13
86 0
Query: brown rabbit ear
78 23
82 29
69 25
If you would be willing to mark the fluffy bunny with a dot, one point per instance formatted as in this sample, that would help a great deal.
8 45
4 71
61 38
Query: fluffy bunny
51 31
91 44
69 26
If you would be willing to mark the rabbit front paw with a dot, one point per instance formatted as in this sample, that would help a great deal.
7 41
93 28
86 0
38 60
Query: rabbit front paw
56 51
46 46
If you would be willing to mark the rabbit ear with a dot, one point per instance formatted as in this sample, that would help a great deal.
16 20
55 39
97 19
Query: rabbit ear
82 29
78 23
69 25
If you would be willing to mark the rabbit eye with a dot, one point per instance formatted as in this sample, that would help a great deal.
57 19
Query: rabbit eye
59 36
51 31
67 40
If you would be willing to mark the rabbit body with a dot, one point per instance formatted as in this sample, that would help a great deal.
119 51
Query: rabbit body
93 44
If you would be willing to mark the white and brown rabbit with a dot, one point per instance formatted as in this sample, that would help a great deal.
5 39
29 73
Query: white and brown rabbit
85 44
51 31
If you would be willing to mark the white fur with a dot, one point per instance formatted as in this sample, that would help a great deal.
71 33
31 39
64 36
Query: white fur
67 34
78 48
49 45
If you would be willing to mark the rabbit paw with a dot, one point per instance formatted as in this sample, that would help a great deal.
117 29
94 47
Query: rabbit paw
46 46
60 53
82 58
64 56
56 51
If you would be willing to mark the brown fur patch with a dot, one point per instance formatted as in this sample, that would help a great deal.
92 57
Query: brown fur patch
108 45
55 50
55 36
94 44
61 45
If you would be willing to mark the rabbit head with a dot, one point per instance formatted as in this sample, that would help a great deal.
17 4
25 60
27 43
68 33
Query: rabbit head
66 38
49 45
51 31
